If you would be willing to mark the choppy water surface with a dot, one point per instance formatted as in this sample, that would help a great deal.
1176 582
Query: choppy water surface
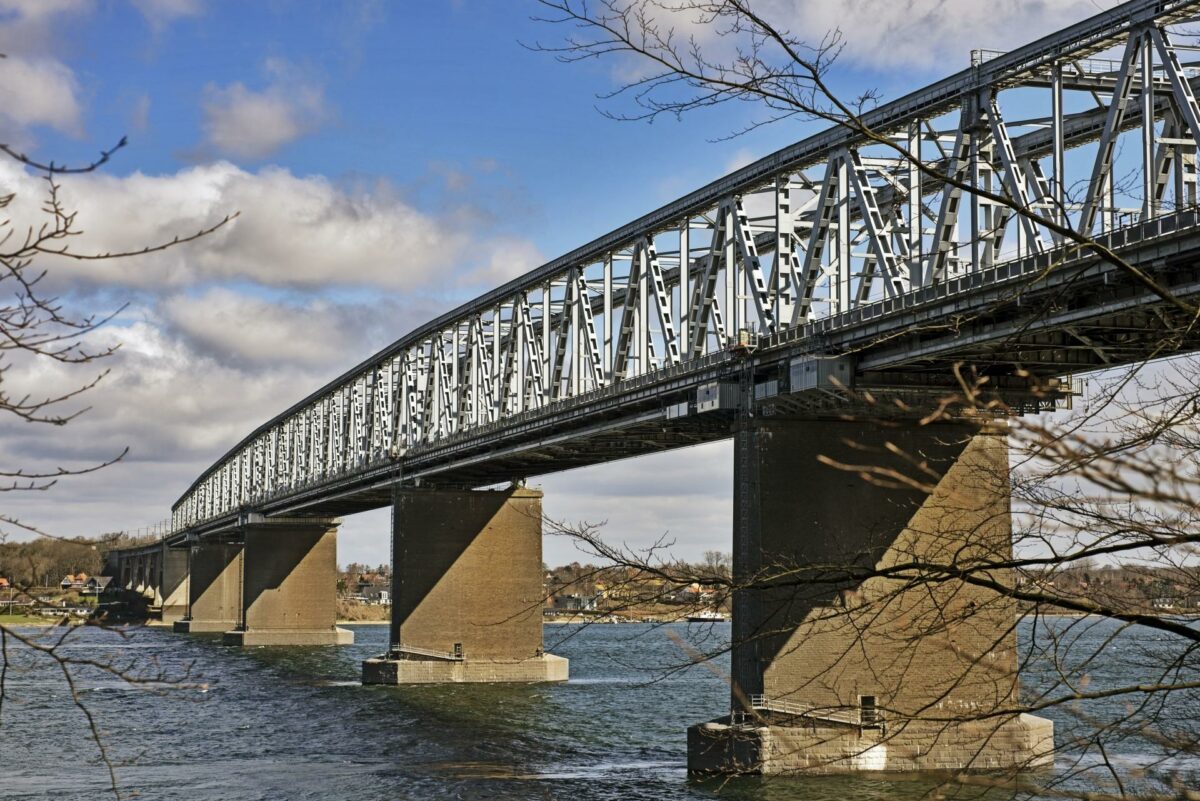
295 724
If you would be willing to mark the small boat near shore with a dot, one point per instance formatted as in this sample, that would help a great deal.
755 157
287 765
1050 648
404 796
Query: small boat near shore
707 616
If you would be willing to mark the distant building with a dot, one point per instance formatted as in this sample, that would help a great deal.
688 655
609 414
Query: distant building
74 582
378 595
95 585
373 588
575 603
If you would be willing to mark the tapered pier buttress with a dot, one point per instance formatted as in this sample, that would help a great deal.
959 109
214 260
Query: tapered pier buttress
289 584
214 588
849 652
466 590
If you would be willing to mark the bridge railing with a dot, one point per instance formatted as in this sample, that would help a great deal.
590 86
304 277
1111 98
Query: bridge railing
152 532
842 715
401 651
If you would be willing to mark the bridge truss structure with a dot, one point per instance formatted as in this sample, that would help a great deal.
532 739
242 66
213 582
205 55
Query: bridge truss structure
833 241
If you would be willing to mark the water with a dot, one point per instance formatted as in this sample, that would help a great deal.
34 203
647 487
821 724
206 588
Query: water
296 724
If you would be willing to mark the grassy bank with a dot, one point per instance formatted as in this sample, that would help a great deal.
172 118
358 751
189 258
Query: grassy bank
30 620
351 612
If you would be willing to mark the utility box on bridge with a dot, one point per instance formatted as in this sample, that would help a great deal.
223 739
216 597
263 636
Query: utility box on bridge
766 389
820 372
714 396
677 410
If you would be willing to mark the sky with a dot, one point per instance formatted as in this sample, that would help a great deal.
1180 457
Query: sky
388 161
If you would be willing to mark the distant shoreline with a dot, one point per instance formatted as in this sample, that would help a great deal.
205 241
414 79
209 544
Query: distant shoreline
39 621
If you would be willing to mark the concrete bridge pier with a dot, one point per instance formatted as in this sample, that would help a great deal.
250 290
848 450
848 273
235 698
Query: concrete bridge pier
143 582
175 580
289 584
467 590
157 573
835 671
214 588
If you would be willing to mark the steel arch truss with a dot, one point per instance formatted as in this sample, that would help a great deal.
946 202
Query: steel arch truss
1089 129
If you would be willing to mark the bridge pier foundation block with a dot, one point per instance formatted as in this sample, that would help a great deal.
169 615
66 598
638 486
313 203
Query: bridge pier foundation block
289 580
214 588
466 590
834 672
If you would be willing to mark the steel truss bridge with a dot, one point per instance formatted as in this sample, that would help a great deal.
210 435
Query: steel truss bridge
844 257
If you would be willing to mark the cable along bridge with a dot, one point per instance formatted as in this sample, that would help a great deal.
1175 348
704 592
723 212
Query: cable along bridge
834 245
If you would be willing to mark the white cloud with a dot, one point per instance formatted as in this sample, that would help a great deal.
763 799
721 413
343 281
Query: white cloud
254 124
40 92
38 89
30 27
882 34
253 332
927 33
226 332
192 376
502 259
160 13
40 9
301 232
172 412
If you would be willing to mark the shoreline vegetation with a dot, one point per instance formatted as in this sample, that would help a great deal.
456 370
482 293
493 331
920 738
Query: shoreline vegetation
36 620
50 621
381 616
42 621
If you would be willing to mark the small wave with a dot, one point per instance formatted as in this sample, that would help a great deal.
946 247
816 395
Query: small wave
602 769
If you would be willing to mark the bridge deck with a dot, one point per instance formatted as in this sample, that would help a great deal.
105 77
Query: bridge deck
1088 315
